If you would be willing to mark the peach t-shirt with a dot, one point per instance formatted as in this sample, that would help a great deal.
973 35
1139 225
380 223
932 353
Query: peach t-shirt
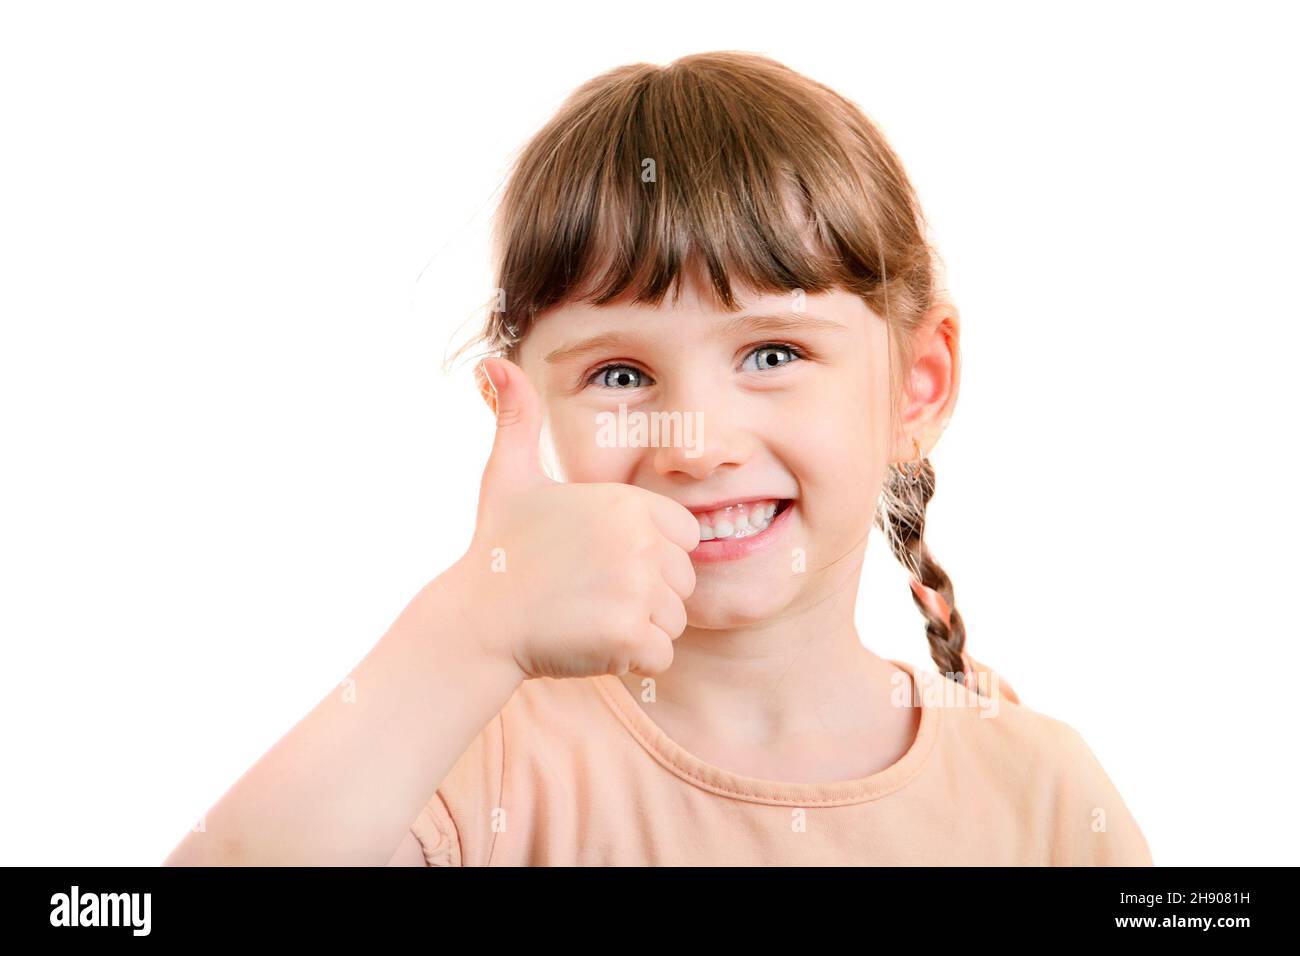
573 772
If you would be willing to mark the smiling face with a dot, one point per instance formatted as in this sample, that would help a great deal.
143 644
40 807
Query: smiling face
792 416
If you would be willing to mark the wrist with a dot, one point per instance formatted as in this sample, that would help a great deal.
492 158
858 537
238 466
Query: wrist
465 614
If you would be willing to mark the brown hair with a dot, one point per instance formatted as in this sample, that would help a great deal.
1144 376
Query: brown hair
721 166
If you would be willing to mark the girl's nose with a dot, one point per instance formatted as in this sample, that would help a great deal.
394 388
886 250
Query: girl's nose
704 443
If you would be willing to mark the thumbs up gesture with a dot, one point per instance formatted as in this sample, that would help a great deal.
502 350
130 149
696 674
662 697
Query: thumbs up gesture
570 579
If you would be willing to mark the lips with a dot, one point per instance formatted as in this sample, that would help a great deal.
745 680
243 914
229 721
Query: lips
741 529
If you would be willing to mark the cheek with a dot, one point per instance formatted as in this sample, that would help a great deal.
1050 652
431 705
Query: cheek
580 457
841 448
848 416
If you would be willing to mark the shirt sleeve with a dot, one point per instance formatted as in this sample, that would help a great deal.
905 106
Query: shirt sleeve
1093 825
459 824
436 831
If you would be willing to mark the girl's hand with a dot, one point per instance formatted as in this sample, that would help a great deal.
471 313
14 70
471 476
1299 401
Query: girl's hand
570 580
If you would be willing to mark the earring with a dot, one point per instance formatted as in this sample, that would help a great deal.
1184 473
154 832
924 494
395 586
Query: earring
912 469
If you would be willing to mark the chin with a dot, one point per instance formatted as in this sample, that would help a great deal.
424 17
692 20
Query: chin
726 601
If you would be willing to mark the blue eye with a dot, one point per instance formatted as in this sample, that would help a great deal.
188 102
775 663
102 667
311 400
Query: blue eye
769 356
620 376
617 376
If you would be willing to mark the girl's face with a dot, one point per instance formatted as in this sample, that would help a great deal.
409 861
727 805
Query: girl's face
786 401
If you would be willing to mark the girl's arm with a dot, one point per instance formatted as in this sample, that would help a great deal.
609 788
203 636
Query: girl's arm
598 576
344 785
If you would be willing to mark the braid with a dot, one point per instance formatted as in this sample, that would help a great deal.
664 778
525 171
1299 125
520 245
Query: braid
901 515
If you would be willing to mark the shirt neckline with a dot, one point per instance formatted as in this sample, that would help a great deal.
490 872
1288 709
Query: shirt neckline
715 779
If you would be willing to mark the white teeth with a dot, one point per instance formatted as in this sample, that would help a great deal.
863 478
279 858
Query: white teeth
737 521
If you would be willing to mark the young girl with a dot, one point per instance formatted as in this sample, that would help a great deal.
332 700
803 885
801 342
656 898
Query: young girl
648 655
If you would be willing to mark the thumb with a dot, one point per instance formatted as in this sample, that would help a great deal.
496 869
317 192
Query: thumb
514 459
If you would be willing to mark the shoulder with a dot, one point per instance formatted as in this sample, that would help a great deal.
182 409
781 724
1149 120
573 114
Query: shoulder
459 823
1024 742
1044 766
1094 826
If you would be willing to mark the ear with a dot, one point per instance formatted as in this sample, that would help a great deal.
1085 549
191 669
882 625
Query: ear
931 384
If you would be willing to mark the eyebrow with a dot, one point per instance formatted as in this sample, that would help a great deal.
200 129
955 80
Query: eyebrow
765 323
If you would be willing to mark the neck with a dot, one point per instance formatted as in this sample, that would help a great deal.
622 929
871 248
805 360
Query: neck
801 674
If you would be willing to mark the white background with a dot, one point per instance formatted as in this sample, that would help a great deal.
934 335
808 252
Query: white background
236 241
